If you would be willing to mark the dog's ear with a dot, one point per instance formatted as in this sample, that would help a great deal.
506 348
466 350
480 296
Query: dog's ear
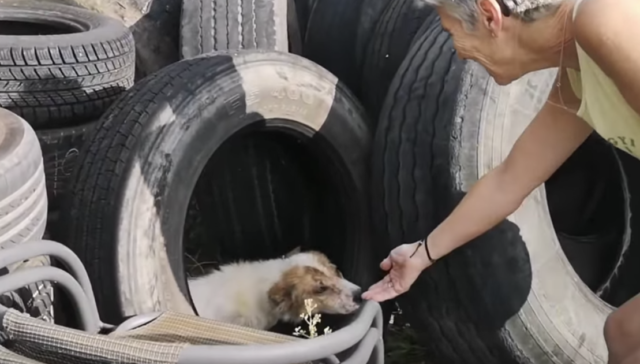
295 251
281 295
286 294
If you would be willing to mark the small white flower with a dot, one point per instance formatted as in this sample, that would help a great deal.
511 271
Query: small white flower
312 320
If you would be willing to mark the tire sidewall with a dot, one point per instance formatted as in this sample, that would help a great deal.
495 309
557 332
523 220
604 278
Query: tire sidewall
181 136
97 27
561 313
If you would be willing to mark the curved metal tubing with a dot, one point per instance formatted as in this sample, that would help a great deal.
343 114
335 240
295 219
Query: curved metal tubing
37 248
89 319
293 352
365 352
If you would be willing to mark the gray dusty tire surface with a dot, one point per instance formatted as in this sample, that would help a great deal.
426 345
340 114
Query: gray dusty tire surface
135 166
331 39
60 150
57 80
509 296
23 204
212 25
302 13
388 46
370 13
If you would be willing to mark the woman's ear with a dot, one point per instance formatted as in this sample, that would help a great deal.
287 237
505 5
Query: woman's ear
490 16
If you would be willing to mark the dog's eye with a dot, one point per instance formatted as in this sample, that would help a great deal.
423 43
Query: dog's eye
321 289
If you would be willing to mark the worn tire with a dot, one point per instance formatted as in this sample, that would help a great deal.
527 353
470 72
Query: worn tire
23 205
213 25
388 46
60 149
140 169
509 296
625 284
370 13
303 11
59 80
331 39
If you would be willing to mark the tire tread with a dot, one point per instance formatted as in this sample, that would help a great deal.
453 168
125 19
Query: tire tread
65 82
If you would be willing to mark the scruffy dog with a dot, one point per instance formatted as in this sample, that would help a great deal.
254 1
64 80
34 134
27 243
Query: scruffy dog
261 293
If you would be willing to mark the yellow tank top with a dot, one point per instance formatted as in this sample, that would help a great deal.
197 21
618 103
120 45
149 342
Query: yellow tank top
603 106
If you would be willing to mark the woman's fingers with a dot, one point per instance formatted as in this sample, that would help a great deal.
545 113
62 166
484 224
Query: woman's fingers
383 283
386 295
386 264
377 288
381 294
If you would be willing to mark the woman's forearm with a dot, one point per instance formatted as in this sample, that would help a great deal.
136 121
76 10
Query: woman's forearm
489 201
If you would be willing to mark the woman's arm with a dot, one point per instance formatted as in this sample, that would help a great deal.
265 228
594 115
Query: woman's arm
608 32
554 134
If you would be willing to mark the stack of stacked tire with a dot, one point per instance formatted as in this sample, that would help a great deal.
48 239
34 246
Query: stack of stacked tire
23 208
59 77
61 67
256 150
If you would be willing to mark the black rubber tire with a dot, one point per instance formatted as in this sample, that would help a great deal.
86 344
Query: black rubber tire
294 30
60 80
444 124
331 39
213 25
303 12
370 13
625 284
60 149
23 208
149 147
387 48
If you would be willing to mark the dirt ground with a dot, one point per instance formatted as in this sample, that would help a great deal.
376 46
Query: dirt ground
155 25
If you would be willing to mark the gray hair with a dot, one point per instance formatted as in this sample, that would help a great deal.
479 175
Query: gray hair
526 10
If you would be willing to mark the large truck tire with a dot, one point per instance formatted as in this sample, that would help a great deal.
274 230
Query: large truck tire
512 294
23 208
370 13
61 65
387 47
331 39
141 167
214 25
60 149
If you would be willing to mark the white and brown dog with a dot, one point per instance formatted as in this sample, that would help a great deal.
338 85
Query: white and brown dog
261 293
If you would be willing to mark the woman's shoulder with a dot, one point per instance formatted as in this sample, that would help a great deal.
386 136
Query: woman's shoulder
596 20
607 30
602 8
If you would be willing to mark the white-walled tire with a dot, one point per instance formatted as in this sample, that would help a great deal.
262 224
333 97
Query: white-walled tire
138 171
23 205
513 294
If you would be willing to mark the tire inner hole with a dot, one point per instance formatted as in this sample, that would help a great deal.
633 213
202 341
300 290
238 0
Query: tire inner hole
35 28
264 193
587 206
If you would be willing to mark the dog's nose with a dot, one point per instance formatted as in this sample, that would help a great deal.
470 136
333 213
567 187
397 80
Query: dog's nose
357 295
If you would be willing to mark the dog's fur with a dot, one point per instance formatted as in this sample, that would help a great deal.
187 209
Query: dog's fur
261 293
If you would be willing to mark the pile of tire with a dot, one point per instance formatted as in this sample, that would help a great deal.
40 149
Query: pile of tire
59 83
538 287
241 150
345 126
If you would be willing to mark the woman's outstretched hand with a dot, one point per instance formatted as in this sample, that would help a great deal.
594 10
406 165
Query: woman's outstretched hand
403 271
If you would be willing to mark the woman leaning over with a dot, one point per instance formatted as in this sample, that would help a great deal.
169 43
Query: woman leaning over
594 44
